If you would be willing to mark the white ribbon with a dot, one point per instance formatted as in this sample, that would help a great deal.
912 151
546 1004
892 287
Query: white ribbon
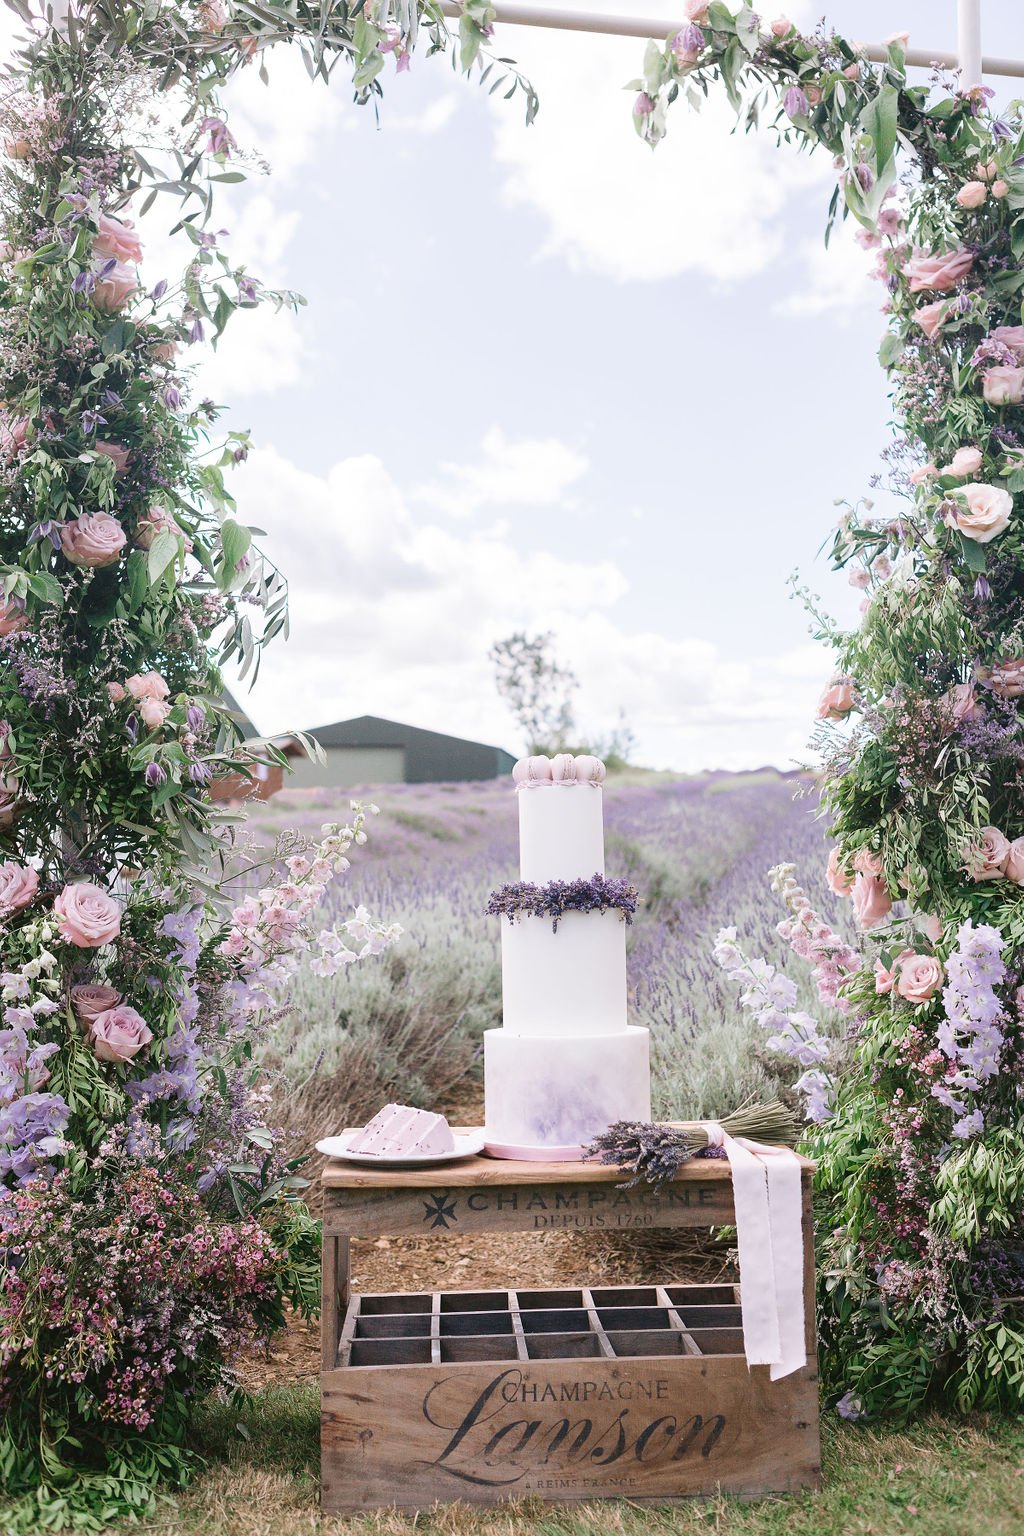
766 1194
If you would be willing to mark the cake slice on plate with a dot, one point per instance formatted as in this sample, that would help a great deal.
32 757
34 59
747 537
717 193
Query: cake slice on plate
397 1130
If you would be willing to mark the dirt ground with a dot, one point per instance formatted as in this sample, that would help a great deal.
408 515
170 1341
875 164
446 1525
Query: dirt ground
531 1260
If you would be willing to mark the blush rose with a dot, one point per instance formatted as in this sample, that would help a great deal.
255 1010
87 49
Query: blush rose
86 915
18 886
937 273
119 1034
94 540
1003 385
986 860
986 515
920 977
88 1001
837 700
871 901
113 291
118 239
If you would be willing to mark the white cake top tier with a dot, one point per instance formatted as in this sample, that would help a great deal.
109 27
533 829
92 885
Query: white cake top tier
561 817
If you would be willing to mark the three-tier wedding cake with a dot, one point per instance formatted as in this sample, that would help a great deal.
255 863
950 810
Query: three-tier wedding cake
565 1064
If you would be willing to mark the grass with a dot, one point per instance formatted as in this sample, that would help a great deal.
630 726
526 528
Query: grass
941 1477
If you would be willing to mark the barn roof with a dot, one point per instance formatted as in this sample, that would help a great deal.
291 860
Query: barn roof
373 731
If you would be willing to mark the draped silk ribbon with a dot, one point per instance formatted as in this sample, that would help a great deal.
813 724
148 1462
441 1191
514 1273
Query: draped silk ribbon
766 1194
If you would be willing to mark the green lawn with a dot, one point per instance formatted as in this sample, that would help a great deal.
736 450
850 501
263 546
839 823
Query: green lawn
940 1478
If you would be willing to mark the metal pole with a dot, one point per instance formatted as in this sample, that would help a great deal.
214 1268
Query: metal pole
968 41
512 14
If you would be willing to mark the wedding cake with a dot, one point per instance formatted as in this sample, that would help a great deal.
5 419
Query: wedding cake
565 1064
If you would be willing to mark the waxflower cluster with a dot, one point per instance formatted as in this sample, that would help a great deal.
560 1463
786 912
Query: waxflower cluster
128 1290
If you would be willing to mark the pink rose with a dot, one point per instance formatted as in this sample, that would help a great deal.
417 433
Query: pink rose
986 860
867 863
930 316
156 521
147 685
87 1001
13 617
1011 337
986 171
18 886
838 880
931 927
1003 385
1005 677
696 10
117 239
938 273
963 704
781 26
93 540
1000 188
8 801
112 292
114 451
1013 869
13 435
813 94
119 1034
871 901
920 978
87 916
164 351
987 512
154 712
922 473
972 194
898 37
837 700
884 978
852 71
17 149
212 16
966 461
116 693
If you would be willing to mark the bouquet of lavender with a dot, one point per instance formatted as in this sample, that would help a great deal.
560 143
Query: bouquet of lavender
654 1154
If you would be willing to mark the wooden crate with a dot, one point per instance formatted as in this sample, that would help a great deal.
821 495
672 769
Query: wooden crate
591 1392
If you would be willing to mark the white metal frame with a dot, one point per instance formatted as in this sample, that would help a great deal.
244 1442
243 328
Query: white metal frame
967 57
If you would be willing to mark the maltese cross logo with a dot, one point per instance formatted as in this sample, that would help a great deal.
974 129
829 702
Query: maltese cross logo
441 1208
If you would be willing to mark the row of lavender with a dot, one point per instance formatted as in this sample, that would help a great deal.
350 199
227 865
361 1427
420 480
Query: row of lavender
699 849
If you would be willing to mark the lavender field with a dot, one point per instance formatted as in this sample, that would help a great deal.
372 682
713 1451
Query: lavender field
408 1023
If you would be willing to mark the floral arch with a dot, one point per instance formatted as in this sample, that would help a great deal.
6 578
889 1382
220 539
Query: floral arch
133 992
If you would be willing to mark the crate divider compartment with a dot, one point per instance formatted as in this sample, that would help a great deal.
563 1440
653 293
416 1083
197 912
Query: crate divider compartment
603 1342
435 1328
522 1353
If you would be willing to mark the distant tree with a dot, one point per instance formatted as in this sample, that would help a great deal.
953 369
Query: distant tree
617 748
537 690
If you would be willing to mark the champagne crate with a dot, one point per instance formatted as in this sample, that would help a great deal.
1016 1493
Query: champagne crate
588 1392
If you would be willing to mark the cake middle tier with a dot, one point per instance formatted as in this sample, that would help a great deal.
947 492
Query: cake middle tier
568 982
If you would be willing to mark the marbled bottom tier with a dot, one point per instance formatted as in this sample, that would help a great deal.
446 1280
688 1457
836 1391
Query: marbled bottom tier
561 1091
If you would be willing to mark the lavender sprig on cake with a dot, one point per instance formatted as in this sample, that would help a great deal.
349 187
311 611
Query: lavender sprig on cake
522 898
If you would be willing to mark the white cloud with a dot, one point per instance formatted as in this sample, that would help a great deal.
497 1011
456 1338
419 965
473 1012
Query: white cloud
394 615
532 472
838 277
708 201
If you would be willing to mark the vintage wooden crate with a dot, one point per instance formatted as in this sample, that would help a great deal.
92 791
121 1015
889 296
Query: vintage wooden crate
636 1391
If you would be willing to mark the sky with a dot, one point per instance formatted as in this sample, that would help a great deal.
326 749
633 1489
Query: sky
550 380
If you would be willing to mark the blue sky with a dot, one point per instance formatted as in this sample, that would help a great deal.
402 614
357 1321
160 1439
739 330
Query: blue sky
547 379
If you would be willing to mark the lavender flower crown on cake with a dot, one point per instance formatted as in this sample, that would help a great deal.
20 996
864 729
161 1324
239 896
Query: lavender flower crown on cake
521 898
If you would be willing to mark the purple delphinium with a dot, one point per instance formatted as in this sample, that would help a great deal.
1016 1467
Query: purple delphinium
521 898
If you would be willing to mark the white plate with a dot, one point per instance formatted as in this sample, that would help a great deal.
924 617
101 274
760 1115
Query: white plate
467 1143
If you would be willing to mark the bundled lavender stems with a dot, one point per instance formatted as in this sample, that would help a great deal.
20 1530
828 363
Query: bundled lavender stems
521 898
655 1153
